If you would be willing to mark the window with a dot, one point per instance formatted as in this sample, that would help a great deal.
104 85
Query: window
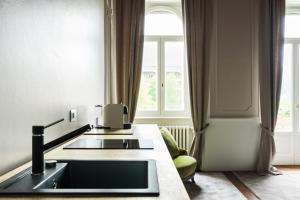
163 24
287 136
288 114
163 88
284 119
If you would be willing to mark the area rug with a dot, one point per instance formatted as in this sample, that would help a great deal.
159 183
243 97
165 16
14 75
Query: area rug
213 186
286 186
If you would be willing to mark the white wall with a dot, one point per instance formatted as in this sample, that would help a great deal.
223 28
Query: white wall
231 144
51 60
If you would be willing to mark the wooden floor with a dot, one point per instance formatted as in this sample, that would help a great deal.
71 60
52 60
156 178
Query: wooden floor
289 168
240 186
245 190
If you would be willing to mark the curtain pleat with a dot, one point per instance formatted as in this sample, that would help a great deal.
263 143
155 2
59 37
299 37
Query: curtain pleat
272 13
127 40
197 15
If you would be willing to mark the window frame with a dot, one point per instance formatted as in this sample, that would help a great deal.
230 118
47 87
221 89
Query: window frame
295 93
295 111
295 45
153 113
161 112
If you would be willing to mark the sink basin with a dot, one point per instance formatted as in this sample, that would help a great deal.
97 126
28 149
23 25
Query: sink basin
87 177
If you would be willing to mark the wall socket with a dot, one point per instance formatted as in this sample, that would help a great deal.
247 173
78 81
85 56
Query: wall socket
73 115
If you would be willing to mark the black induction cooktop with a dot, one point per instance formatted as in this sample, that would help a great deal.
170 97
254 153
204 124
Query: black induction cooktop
111 144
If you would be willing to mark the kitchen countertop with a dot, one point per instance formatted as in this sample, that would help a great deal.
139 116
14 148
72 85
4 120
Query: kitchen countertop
170 184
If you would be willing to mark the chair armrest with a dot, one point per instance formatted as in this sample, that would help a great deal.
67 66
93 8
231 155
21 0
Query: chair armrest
183 152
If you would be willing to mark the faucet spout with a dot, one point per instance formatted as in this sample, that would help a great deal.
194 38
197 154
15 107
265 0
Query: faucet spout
53 123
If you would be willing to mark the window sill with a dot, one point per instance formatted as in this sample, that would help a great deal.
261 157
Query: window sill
164 121
139 117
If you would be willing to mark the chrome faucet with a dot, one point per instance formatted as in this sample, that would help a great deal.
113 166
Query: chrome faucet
38 165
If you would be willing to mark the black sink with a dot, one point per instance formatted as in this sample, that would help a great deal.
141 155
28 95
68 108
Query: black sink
111 144
88 178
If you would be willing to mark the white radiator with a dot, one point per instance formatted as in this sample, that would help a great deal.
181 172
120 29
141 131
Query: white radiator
183 135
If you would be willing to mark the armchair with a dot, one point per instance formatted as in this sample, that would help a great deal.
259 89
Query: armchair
185 165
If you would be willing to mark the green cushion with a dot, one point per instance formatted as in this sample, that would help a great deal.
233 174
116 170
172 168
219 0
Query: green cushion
186 166
170 142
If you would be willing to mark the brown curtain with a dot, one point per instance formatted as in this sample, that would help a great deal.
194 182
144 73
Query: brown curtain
272 13
129 29
197 15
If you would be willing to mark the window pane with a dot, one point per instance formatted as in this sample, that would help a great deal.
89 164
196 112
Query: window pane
174 76
292 26
284 119
158 23
148 98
